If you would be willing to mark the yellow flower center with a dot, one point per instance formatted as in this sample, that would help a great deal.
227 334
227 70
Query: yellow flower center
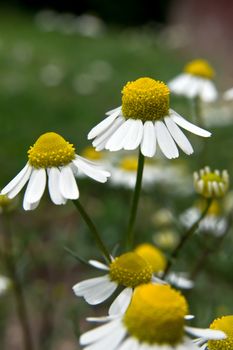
156 314
129 164
224 324
212 177
51 150
153 256
91 153
130 270
145 99
200 68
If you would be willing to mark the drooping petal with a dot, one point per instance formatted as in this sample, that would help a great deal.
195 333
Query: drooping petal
180 84
165 141
134 135
188 126
101 140
95 290
36 186
148 144
67 183
53 185
178 136
102 126
111 340
121 303
95 173
116 141
99 332
15 185
30 206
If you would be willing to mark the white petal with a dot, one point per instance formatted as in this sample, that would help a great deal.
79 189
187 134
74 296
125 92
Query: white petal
95 290
129 344
121 303
165 141
179 280
102 319
189 126
148 144
134 135
178 136
207 333
179 84
111 341
95 173
36 186
67 183
30 206
99 332
101 140
228 94
189 317
117 109
102 126
209 92
15 185
116 141
98 265
53 185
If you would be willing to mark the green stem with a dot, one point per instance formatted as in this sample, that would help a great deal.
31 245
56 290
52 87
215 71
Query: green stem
11 265
185 237
196 107
93 230
130 236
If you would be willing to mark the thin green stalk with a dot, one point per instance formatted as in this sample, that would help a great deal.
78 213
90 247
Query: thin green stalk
130 235
185 237
11 265
93 230
196 111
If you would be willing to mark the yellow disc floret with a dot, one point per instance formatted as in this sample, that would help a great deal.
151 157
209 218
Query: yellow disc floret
156 314
145 99
130 270
153 256
91 153
129 164
224 324
51 150
200 68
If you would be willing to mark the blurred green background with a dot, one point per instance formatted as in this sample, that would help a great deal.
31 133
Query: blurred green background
55 78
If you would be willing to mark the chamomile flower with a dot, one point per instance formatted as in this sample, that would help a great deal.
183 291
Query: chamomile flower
144 119
156 258
224 324
154 320
128 270
213 223
4 284
228 95
52 156
195 81
211 184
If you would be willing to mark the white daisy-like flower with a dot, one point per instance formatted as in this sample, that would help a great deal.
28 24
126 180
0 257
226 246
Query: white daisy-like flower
52 156
154 320
212 224
144 119
211 184
128 270
224 324
228 95
155 257
195 81
4 284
